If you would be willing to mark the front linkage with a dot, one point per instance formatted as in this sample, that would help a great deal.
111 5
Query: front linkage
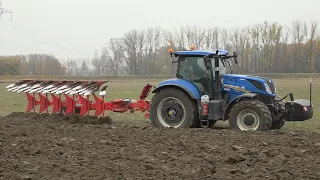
293 110
76 97
297 110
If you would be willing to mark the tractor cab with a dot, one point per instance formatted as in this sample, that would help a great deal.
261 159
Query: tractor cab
193 68
201 68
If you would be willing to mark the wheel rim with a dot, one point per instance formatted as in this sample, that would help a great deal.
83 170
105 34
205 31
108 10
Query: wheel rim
171 112
248 119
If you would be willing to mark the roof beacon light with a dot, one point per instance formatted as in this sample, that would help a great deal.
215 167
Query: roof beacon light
192 47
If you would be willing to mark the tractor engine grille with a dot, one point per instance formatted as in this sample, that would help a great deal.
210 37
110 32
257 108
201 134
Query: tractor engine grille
257 84
271 85
260 86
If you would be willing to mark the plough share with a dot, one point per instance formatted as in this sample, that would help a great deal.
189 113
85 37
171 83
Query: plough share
73 97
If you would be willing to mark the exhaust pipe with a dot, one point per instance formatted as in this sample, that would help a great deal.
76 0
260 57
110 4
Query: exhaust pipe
217 93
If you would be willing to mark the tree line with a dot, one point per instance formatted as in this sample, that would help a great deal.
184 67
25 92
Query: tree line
32 64
267 47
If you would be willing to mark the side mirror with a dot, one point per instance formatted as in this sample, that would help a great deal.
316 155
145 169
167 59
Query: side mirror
235 57
207 62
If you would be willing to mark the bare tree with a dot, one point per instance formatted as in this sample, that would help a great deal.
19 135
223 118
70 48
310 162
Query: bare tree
298 34
84 68
263 47
312 41
98 63
179 38
133 43
242 45
223 42
117 54
71 67
284 62
209 36
153 42
195 36
274 36
255 46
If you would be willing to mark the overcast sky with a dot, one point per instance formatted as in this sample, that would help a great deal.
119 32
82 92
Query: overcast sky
85 25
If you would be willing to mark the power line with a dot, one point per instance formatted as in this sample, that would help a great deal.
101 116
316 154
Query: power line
20 44
1 22
28 34
24 30
29 47
18 29
47 41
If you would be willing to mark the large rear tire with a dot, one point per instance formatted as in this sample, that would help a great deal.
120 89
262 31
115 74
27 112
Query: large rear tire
173 108
250 115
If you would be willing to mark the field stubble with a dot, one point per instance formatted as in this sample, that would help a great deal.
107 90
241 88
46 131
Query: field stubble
38 146
13 102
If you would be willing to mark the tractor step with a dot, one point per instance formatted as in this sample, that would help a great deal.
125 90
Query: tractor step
207 123
204 123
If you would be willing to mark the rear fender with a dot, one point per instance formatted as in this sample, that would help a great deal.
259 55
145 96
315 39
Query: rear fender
185 85
235 100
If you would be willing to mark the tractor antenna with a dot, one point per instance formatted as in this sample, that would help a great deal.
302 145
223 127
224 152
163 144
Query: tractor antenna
310 91
2 11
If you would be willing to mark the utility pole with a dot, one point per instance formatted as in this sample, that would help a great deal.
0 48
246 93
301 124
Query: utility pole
3 11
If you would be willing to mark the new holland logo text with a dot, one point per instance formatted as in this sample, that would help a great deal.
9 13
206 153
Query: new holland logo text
237 88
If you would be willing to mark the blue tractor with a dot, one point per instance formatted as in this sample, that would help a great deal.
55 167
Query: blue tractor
203 93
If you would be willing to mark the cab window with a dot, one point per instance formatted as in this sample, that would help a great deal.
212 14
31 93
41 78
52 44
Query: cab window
192 68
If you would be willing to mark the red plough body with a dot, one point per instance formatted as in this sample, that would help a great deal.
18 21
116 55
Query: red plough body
85 105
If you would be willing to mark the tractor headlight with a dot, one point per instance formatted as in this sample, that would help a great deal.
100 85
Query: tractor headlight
267 88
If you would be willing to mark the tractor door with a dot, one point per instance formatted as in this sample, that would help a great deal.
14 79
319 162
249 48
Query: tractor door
193 69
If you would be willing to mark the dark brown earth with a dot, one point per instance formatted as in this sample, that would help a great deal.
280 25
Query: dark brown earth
54 147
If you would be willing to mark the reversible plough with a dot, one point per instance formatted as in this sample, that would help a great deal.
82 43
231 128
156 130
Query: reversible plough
73 97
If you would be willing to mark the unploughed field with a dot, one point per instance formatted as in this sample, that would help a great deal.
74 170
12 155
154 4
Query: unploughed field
34 146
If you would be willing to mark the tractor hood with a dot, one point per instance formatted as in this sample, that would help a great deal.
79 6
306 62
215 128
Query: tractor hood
248 84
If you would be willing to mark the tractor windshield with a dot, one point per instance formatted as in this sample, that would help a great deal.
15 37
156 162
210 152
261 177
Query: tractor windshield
193 69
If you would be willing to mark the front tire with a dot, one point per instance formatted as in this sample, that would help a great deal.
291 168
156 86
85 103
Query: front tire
250 115
278 124
282 121
173 108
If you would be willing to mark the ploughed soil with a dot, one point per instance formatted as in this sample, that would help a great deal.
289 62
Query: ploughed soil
34 146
